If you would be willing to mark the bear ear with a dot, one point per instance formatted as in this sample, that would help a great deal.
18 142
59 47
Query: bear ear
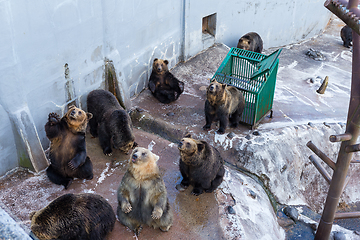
32 214
89 116
200 146
187 135
72 106
156 157
155 59
213 80
166 62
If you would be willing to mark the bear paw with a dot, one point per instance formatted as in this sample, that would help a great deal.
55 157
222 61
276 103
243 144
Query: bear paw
197 191
126 208
206 127
157 213
53 118
165 228
72 165
221 131
181 187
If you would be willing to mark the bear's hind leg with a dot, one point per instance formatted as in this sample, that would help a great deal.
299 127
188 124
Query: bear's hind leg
217 181
129 222
57 178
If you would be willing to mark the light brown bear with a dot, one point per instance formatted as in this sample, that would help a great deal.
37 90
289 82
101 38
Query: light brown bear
201 166
67 153
84 216
223 103
142 194
164 86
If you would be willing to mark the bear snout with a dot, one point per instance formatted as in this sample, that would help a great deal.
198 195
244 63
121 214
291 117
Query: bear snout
180 145
134 158
211 88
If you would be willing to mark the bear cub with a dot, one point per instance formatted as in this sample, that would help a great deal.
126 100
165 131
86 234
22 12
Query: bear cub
67 153
201 166
223 103
164 86
251 42
142 194
110 122
346 36
74 216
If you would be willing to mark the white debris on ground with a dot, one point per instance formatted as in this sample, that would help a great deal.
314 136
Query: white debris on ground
252 215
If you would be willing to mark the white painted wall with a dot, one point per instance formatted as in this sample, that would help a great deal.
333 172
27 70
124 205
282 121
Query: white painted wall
39 37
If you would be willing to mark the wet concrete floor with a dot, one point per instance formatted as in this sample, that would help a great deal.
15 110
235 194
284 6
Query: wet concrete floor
195 217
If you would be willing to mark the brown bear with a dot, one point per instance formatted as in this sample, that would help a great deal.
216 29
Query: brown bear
251 42
74 216
67 153
142 194
346 36
201 166
223 103
110 122
164 86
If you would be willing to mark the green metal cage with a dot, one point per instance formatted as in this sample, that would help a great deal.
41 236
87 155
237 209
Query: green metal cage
255 75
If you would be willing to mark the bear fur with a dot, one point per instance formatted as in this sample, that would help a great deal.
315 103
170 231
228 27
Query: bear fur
223 103
110 122
164 86
201 166
67 153
142 194
251 42
346 36
74 216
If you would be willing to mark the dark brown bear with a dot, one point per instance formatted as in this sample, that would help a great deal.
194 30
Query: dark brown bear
201 166
251 42
67 154
346 36
74 216
163 85
142 194
110 122
223 103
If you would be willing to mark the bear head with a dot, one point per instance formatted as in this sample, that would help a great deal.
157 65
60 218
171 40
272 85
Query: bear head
142 163
215 92
77 119
244 43
189 147
160 66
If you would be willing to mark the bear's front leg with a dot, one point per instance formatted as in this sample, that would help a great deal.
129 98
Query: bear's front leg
52 125
224 119
209 115
78 160
105 140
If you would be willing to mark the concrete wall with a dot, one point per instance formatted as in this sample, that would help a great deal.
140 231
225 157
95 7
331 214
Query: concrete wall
52 53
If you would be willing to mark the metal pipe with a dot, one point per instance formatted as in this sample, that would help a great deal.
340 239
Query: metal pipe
321 155
355 161
320 168
347 215
347 180
353 148
350 15
340 137
352 127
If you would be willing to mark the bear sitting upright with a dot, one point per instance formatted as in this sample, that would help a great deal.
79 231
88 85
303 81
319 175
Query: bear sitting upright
251 42
201 166
163 85
223 103
67 152
142 194
74 216
110 122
